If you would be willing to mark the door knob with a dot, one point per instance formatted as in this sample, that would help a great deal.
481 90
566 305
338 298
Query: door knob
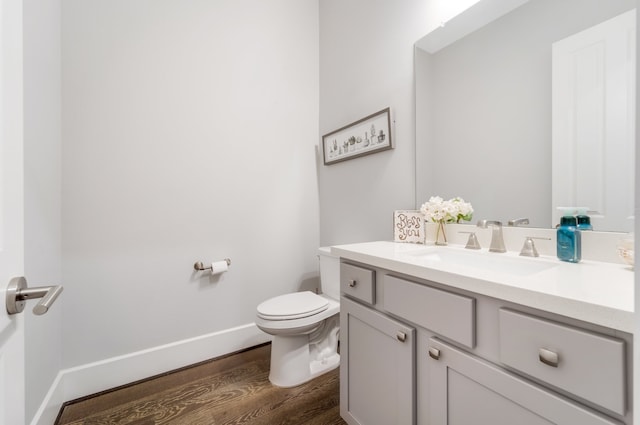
18 293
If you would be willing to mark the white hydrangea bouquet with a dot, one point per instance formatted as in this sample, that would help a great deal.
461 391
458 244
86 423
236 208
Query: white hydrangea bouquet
437 210
452 211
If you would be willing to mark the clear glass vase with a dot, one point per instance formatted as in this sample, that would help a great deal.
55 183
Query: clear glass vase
441 234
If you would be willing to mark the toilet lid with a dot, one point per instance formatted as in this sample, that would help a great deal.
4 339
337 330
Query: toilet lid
292 306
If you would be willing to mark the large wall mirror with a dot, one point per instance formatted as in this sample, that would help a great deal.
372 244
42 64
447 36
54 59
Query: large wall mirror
485 126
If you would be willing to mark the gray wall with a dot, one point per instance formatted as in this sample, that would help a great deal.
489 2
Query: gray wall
188 134
488 99
366 64
42 236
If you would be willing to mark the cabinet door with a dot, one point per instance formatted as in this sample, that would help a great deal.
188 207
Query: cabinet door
466 390
377 367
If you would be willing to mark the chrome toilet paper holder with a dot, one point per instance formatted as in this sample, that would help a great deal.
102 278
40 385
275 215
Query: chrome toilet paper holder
199 265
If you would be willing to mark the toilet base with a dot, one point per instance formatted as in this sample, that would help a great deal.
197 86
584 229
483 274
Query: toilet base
299 358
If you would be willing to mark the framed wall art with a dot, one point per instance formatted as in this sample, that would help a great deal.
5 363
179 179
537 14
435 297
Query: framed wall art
369 135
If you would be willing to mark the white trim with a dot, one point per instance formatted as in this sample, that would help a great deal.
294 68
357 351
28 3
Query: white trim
94 377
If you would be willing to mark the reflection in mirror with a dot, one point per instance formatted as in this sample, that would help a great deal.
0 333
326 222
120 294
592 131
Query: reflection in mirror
593 121
483 111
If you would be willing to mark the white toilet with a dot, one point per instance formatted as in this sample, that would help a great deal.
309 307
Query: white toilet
305 328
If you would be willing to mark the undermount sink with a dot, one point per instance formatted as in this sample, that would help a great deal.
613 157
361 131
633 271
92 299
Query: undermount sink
483 260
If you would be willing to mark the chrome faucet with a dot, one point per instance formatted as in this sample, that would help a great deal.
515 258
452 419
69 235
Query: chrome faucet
497 240
518 222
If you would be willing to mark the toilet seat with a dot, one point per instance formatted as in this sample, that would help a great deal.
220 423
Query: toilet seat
292 306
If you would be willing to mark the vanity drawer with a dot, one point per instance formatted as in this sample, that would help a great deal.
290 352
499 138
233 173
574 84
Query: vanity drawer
586 364
358 282
449 315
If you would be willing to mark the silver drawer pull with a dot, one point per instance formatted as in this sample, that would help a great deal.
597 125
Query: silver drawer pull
352 283
548 357
401 336
434 353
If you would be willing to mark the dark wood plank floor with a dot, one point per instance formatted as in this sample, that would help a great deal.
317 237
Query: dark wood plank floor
231 390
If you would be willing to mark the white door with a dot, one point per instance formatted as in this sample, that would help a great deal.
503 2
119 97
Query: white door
12 390
593 120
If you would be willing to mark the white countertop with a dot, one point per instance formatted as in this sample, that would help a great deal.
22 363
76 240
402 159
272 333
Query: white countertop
595 292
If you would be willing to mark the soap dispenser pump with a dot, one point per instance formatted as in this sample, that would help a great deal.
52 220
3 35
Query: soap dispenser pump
569 240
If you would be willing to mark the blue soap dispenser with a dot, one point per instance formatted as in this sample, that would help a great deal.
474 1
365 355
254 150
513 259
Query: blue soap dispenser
569 240
584 222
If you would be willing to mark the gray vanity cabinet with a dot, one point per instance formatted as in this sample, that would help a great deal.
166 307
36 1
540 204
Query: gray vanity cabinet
466 390
377 372
419 352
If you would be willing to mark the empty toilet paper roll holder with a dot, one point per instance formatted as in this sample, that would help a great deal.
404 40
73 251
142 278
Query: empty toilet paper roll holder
199 266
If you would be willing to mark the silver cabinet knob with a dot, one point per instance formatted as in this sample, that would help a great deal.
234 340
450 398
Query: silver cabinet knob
401 336
18 293
548 357
434 353
352 283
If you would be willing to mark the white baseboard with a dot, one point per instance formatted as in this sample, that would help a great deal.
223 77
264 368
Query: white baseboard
94 377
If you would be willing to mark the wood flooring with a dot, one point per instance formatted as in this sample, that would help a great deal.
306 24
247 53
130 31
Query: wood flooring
231 390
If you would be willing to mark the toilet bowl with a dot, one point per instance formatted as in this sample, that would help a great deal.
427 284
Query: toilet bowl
305 328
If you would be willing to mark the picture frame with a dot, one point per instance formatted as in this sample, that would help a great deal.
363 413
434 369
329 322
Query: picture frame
356 140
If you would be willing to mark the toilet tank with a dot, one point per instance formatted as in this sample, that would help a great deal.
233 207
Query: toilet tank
329 273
